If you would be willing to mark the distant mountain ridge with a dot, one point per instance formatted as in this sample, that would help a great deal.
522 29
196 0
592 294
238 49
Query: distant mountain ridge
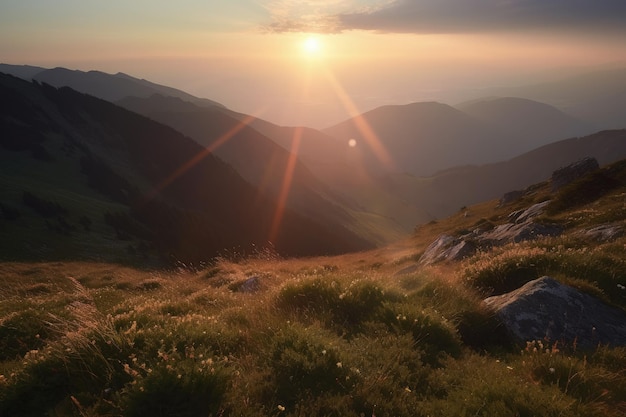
261 161
85 179
534 123
448 191
110 87
597 96
424 138
441 157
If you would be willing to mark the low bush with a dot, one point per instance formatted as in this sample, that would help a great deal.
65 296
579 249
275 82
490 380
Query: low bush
22 332
182 390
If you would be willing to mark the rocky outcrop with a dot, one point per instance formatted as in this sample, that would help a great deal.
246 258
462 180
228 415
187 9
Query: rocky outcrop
602 233
447 248
545 309
510 197
521 226
572 172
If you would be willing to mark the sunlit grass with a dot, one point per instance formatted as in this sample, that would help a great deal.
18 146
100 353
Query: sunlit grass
320 337
370 333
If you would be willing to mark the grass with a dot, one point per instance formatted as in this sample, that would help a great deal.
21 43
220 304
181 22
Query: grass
358 335
320 337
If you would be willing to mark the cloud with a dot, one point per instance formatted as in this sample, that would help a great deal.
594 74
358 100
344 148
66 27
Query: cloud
319 16
467 16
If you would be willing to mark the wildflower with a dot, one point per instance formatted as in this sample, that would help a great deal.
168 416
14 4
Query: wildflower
281 407
339 365
552 370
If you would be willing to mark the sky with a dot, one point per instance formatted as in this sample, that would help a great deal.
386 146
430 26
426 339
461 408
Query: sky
316 62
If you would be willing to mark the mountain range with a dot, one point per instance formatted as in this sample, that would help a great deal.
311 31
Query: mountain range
365 181
83 175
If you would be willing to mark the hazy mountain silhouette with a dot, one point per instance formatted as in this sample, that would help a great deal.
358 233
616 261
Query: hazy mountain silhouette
260 160
442 157
110 87
78 171
314 146
26 72
608 111
597 97
528 124
448 191
322 154
423 138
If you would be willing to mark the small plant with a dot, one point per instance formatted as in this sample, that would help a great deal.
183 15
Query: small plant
183 390
305 367
22 332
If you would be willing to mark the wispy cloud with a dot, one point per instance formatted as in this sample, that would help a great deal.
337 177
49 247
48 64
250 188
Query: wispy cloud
462 16
319 16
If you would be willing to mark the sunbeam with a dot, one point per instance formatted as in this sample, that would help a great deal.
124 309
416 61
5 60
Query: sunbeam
286 185
363 127
199 157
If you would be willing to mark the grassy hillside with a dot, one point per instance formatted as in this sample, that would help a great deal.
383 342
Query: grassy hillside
371 333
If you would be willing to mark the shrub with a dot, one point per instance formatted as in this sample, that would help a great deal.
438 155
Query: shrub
344 311
181 391
305 366
23 331
392 375
433 335
586 378
311 297
483 386
583 191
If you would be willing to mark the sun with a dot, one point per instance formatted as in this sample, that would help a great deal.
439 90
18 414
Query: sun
311 46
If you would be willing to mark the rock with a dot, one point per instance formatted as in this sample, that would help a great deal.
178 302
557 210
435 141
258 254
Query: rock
514 232
510 197
602 233
250 285
525 215
521 227
447 248
572 172
545 309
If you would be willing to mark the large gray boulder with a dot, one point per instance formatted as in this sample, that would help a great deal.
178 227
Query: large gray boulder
545 309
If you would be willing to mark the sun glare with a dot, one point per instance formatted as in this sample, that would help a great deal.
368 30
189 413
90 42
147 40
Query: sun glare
311 46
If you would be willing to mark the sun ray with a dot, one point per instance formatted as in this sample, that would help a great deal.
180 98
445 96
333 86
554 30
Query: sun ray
199 157
286 185
372 140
